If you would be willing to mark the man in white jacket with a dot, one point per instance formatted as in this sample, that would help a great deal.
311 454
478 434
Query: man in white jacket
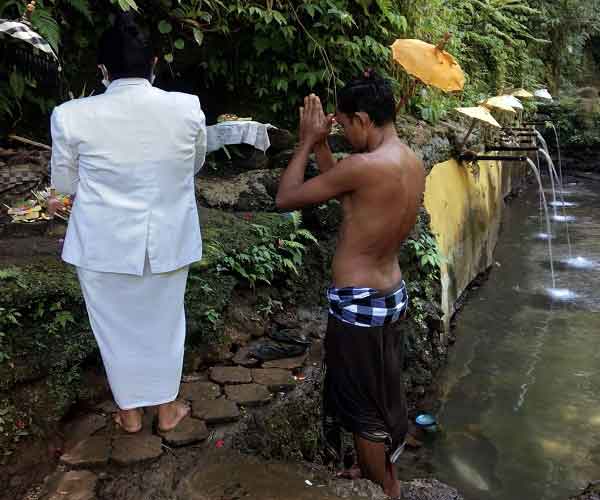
130 156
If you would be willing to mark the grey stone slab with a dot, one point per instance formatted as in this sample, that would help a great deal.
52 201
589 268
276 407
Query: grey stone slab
248 394
287 363
189 431
91 452
275 379
128 450
83 428
199 391
220 411
71 485
230 375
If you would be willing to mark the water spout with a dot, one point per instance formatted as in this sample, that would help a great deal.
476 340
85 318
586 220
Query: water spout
548 226
558 150
564 217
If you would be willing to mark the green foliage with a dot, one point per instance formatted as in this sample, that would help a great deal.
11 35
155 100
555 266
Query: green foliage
426 253
421 261
271 255
577 121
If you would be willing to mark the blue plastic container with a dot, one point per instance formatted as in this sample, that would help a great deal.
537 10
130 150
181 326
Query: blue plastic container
426 422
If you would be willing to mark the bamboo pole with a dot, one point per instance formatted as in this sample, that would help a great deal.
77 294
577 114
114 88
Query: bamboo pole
29 142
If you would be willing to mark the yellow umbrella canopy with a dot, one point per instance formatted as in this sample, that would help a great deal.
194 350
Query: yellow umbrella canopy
429 63
479 113
522 94
500 103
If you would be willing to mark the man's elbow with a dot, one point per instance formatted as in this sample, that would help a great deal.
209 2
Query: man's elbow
284 201
281 202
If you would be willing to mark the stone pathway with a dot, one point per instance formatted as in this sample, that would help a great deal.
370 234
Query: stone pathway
218 397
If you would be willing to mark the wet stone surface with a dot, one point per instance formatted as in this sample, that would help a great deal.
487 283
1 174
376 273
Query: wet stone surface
275 379
428 489
220 411
199 391
128 450
230 375
249 394
91 452
188 432
83 428
71 485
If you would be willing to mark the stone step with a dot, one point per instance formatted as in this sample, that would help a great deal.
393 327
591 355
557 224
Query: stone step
199 391
248 394
221 411
275 379
189 431
91 452
136 448
230 375
70 485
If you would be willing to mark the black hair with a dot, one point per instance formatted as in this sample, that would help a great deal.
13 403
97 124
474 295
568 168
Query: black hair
370 94
125 49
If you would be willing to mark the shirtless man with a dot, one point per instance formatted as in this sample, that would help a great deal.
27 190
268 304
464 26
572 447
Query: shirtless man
381 188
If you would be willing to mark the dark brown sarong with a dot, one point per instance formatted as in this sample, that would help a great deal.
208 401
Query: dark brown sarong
363 390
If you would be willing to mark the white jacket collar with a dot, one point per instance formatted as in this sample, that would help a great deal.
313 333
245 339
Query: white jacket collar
127 82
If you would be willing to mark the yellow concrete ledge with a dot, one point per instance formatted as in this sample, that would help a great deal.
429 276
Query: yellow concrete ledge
466 205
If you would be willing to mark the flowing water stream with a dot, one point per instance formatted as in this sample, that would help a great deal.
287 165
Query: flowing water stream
520 413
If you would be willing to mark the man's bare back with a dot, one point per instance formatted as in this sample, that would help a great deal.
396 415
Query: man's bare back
378 216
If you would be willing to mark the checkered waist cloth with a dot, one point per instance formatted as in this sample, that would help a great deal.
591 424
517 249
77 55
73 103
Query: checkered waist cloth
367 307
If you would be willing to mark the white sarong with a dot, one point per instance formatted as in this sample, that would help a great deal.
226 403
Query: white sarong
139 324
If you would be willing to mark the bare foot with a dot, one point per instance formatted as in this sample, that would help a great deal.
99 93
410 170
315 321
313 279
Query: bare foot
129 420
353 473
170 415
394 491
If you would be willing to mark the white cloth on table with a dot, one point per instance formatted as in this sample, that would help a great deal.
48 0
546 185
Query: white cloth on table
238 132
139 324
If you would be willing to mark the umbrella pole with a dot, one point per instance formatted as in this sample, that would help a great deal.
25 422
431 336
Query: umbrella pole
404 100
469 132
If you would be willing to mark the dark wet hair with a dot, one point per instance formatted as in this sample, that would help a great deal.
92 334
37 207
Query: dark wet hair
125 49
370 94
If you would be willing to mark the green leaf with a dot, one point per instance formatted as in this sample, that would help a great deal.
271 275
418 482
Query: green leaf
47 26
126 5
169 58
179 44
198 36
165 27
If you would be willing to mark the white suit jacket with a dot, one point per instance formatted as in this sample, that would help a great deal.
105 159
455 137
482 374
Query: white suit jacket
130 155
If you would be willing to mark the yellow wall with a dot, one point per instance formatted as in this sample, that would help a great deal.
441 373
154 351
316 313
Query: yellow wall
465 205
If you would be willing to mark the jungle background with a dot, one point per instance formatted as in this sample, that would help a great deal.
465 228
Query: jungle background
263 57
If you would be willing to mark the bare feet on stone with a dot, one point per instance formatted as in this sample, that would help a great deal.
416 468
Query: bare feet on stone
170 415
394 492
129 420
352 473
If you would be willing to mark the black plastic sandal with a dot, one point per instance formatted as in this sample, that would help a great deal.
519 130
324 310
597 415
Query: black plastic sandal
290 337
270 351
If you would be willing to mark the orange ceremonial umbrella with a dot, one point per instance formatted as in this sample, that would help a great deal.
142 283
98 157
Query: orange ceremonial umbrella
431 64
477 113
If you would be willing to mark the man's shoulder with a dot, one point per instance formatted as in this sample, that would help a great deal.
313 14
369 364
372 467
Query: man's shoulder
81 103
178 98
